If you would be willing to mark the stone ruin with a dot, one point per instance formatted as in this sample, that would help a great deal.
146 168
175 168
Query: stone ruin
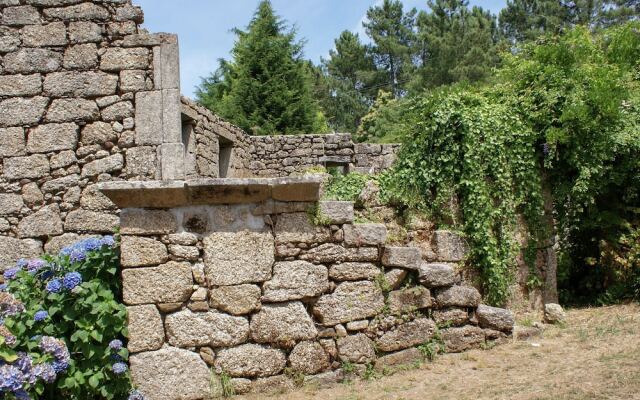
251 275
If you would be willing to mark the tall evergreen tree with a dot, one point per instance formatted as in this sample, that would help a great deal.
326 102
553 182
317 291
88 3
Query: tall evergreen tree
350 77
266 88
392 32
523 20
458 44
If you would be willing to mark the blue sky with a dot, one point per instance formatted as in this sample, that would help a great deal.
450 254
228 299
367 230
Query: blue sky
204 26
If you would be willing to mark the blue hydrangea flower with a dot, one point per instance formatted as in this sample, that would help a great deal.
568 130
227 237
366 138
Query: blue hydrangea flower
115 345
91 244
22 395
45 372
116 357
3 287
77 255
136 395
11 273
109 241
54 286
11 378
57 348
71 280
60 366
119 368
24 363
40 316
46 275
22 263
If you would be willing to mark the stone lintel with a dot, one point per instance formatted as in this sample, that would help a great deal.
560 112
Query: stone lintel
169 194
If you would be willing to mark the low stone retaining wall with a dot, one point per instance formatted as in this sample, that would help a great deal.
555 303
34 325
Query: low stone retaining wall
234 277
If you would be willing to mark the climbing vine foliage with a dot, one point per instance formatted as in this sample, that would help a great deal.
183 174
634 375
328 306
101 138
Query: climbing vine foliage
469 149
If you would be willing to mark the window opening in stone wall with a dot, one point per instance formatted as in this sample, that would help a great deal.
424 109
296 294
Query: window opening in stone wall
189 141
224 156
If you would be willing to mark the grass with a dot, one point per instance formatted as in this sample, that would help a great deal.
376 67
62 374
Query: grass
595 355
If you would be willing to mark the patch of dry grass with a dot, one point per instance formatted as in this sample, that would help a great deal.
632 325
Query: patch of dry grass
595 356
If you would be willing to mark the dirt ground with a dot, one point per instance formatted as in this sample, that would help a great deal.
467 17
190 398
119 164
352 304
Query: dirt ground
595 356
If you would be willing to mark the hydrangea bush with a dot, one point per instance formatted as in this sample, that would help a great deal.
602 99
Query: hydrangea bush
73 296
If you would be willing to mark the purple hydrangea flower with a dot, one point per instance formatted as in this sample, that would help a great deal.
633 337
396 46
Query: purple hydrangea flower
116 357
22 395
57 348
40 316
11 378
60 366
24 363
44 372
115 345
545 149
91 244
77 255
11 273
22 263
119 368
54 286
35 265
71 280
136 395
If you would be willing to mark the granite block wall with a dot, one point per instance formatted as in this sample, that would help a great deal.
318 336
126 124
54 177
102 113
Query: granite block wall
261 294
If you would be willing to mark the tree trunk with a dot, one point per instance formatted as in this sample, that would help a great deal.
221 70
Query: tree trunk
550 292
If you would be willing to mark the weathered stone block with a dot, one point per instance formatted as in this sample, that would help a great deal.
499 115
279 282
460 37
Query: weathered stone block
133 81
297 228
81 56
52 137
189 329
28 61
45 222
461 339
12 142
117 59
553 313
449 246
394 277
61 184
409 300
400 358
80 12
331 253
309 358
80 84
98 133
20 15
20 85
53 34
90 221
171 374
149 118
12 249
168 283
451 317
93 199
134 221
336 212
10 203
70 110
458 296
146 332
354 271
105 165
20 111
351 301
356 349
236 300
437 275
407 335
283 324
402 257
172 161
294 280
85 32
118 111
141 251
251 361
141 162
365 235
495 318
235 258
34 166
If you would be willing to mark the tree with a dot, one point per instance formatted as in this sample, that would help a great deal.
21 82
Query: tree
266 88
393 36
458 44
350 74
523 20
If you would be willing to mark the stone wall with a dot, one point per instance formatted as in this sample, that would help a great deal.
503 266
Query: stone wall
86 96
255 290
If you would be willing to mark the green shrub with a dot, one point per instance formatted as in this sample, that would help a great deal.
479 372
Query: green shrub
77 296
347 187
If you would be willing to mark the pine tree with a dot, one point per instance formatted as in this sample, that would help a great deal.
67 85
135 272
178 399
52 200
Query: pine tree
393 34
523 20
458 44
350 75
266 88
